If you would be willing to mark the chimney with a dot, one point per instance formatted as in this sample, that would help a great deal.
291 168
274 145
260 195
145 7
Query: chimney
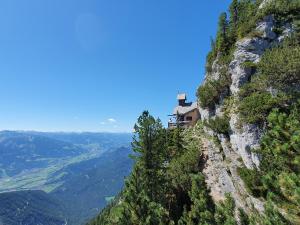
181 99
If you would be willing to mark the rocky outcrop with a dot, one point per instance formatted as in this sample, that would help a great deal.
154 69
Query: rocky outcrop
264 3
222 175
226 153
244 140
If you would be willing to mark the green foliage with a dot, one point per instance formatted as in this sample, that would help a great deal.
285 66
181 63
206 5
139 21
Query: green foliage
280 67
175 142
283 10
166 185
273 216
252 181
243 17
181 167
282 142
209 93
219 124
244 218
141 209
149 144
211 56
202 207
225 212
248 18
280 163
256 107
274 85
222 43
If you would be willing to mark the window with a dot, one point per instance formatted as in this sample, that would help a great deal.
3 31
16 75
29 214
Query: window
189 118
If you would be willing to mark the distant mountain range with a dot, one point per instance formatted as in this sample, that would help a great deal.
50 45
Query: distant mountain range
30 207
80 172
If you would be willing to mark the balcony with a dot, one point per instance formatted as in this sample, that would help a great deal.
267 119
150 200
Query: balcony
182 124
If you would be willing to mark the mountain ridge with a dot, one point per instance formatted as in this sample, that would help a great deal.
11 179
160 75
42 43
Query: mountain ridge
240 163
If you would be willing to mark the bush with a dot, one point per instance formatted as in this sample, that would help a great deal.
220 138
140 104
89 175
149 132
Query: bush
280 147
280 164
274 85
211 56
225 212
255 108
283 10
252 181
281 67
248 18
219 124
209 93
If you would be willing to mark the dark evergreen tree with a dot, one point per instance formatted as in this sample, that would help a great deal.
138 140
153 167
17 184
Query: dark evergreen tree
222 41
234 10
202 208
138 208
149 143
233 20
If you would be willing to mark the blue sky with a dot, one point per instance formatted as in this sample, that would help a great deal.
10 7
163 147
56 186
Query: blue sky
95 65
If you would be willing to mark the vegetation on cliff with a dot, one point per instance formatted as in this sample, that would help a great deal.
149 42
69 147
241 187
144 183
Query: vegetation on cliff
167 185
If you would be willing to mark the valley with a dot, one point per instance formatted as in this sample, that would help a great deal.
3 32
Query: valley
80 171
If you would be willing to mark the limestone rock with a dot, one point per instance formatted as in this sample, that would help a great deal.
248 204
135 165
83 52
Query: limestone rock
228 153
248 50
266 26
264 3
244 140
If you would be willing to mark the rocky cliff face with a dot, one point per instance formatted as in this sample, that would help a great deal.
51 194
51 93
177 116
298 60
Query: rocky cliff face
226 153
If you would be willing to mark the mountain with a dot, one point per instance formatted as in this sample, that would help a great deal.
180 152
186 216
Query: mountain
240 164
90 185
103 140
32 160
30 207
81 170
23 151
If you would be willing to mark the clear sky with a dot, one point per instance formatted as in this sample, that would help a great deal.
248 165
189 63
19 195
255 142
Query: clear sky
95 65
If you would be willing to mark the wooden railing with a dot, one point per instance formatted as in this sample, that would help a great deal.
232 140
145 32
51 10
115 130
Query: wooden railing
179 123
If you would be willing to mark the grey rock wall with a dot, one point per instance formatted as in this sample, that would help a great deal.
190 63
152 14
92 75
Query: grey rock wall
237 150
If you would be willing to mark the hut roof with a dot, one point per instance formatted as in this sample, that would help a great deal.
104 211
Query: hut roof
185 109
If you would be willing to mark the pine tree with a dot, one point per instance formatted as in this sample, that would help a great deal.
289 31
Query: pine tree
202 208
234 9
234 18
222 42
150 144
174 142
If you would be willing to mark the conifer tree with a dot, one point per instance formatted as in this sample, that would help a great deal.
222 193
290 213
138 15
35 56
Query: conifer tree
222 33
234 18
233 9
174 142
150 144
138 209
202 208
